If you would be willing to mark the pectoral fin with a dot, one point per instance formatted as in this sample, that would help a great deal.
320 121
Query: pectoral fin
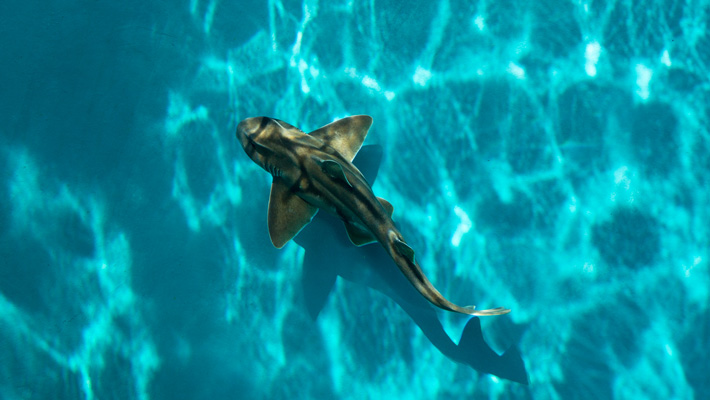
288 214
359 236
345 135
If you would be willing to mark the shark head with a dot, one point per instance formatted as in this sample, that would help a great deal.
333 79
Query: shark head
263 140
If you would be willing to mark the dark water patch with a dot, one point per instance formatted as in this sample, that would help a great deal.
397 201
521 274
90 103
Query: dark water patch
535 156
654 138
701 160
586 112
694 348
253 16
206 375
596 339
506 20
302 339
111 379
617 37
71 234
492 119
403 27
25 264
376 331
76 98
551 200
200 162
683 80
549 20
28 373
508 218
630 239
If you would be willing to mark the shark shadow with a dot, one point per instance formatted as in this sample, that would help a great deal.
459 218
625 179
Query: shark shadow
330 253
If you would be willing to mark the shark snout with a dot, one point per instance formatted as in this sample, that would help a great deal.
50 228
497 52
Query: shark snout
249 126
248 129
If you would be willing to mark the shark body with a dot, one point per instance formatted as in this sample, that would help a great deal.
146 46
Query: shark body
315 171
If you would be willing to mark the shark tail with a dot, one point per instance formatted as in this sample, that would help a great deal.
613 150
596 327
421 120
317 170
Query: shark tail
481 357
471 310
415 275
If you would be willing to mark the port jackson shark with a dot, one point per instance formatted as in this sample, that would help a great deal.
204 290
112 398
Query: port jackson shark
315 171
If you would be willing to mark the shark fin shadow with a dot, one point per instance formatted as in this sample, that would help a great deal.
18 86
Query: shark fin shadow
317 282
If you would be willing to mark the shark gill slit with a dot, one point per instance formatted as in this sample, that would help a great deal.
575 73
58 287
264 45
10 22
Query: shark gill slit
273 170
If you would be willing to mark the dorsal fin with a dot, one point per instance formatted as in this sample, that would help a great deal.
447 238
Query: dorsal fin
345 135
404 250
386 204
288 214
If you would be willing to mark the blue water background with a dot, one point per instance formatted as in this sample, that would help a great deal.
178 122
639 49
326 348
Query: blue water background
548 156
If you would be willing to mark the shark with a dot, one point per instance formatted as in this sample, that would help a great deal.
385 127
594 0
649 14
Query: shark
315 171
324 240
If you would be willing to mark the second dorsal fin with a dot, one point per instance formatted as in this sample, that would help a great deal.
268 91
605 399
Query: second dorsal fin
404 250
386 204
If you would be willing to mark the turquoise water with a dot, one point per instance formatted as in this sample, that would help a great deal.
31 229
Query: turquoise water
550 157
